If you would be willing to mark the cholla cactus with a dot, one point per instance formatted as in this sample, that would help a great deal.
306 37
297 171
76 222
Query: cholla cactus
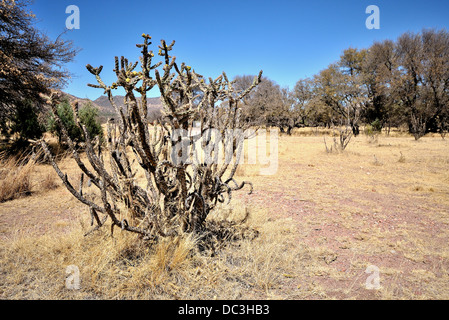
179 194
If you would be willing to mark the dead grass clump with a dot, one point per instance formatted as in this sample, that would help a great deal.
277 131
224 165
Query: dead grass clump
15 177
49 182
401 158
372 139
311 131
344 135
376 161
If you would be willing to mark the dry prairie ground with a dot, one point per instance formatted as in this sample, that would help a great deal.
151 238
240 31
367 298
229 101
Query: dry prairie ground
323 219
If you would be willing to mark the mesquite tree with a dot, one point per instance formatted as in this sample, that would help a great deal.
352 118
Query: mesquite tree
184 181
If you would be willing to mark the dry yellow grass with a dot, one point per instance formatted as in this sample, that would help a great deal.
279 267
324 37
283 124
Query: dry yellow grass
323 218
15 180
33 266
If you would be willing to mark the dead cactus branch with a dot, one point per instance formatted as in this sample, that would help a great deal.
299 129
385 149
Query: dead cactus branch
184 179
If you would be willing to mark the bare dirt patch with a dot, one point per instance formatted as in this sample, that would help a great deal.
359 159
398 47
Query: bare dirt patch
352 213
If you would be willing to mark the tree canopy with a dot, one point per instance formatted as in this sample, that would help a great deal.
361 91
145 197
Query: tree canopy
30 63
392 83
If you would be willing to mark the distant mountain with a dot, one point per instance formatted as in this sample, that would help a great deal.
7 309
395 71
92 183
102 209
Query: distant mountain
73 98
106 110
104 104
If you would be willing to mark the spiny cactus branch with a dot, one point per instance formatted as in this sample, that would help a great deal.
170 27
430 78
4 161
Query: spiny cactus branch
177 195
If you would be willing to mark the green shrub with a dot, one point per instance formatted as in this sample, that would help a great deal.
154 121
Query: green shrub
374 128
88 116
376 125
25 121
369 130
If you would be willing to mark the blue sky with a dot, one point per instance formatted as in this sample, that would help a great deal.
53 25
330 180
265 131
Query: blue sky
288 40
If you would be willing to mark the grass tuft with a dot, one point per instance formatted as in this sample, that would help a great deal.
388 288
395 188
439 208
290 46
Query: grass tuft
15 177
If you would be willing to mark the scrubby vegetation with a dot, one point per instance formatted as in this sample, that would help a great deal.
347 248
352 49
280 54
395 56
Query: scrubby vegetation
184 184
144 209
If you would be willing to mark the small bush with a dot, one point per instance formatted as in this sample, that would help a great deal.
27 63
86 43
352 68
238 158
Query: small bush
344 136
89 117
376 126
373 130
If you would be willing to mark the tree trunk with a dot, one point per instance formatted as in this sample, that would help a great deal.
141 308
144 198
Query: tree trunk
355 130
